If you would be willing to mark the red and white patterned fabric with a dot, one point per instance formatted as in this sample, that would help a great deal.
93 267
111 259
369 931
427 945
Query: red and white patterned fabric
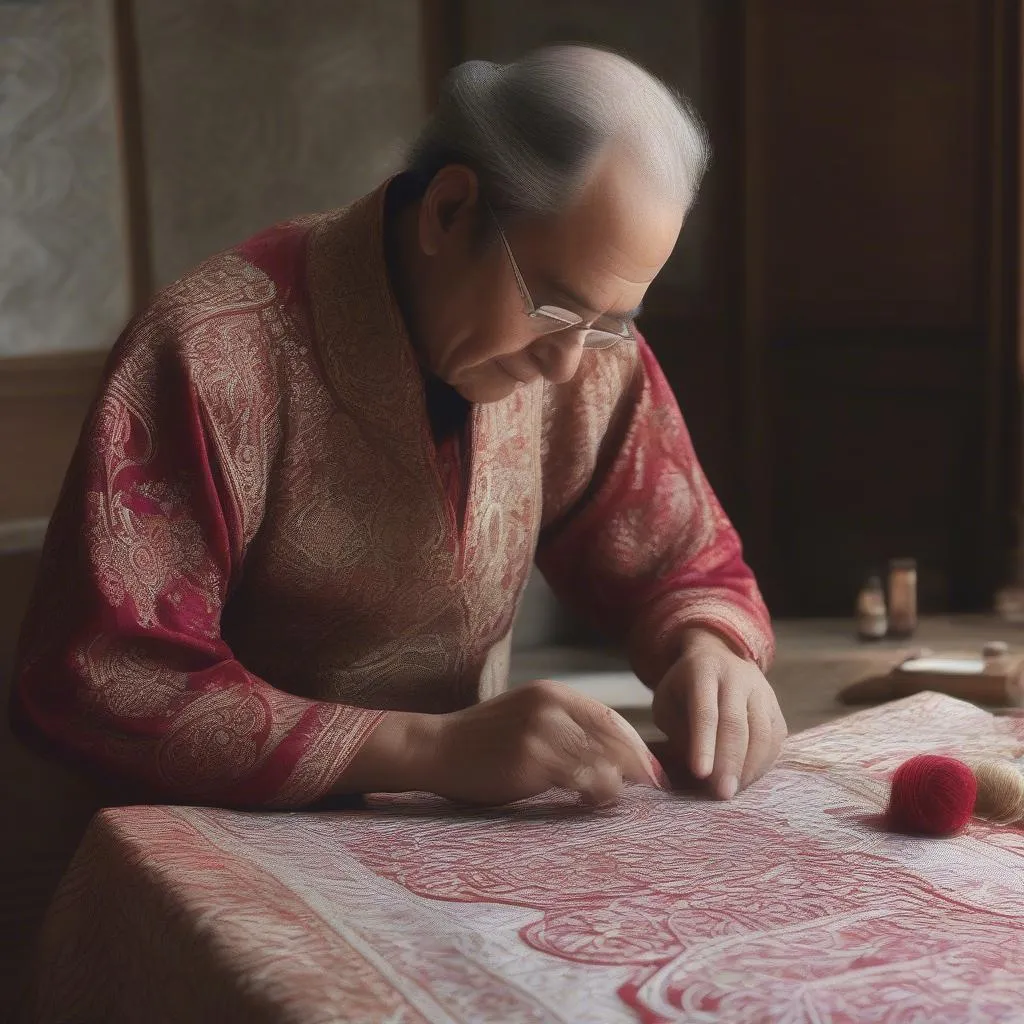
788 904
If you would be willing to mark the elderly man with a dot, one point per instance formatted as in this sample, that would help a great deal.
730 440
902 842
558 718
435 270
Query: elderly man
291 544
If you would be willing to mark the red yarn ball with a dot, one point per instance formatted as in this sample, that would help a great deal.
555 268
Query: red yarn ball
932 795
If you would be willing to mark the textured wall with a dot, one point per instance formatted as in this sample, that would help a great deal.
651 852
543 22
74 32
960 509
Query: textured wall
254 112
63 266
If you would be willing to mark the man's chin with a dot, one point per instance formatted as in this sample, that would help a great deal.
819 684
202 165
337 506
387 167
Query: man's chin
482 392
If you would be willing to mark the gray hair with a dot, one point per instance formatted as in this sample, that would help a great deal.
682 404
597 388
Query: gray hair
532 130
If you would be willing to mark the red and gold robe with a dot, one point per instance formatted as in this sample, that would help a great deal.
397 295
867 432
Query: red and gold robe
258 548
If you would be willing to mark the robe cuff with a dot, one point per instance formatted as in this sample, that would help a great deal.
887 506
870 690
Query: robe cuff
655 641
340 734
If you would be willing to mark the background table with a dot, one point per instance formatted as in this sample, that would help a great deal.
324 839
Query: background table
816 658
787 904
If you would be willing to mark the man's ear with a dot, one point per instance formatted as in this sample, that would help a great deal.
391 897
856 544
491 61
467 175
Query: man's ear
449 205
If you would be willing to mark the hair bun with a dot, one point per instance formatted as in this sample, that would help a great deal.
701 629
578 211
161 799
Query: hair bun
476 77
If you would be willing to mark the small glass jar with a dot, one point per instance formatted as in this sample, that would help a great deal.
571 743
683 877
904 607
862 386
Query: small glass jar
902 597
995 651
872 620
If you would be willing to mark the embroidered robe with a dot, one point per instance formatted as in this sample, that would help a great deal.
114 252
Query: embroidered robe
257 551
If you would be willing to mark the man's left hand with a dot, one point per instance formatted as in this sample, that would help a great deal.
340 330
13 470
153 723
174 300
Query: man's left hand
720 712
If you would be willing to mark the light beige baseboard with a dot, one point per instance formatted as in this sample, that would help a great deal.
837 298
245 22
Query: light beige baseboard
17 535
44 400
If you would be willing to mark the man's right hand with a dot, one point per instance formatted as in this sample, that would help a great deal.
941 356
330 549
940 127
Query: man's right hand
536 737
524 742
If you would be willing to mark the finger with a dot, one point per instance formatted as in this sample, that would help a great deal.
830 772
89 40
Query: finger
600 783
568 758
595 778
610 735
673 767
560 748
779 727
730 744
761 748
780 731
703 721
652 771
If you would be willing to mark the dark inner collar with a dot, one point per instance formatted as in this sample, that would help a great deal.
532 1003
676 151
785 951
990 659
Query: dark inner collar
447 410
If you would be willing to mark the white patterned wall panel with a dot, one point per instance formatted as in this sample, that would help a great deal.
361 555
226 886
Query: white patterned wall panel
63 257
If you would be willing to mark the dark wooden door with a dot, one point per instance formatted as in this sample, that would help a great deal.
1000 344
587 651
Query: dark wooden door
835 321
877 150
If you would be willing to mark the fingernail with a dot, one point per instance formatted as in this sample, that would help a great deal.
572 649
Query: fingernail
657 774
728 787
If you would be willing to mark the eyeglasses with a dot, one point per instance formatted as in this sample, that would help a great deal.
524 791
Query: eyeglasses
604 332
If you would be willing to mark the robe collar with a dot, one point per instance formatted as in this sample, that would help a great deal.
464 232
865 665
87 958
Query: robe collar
362 340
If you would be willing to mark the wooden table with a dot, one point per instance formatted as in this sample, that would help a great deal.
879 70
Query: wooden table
816 658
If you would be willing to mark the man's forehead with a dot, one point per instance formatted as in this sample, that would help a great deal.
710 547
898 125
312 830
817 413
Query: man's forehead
568 251
637 228
579 302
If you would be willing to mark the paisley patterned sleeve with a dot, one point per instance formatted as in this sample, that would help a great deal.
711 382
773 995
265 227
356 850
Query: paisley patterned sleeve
121 664
633 537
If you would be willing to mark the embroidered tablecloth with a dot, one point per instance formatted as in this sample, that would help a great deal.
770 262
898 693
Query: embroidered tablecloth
788 904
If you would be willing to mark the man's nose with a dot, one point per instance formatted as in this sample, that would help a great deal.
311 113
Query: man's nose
558 355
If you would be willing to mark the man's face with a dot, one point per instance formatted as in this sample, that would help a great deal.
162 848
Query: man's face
596 259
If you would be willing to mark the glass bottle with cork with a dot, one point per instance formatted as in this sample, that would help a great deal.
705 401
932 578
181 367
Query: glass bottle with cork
902 597
872 620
